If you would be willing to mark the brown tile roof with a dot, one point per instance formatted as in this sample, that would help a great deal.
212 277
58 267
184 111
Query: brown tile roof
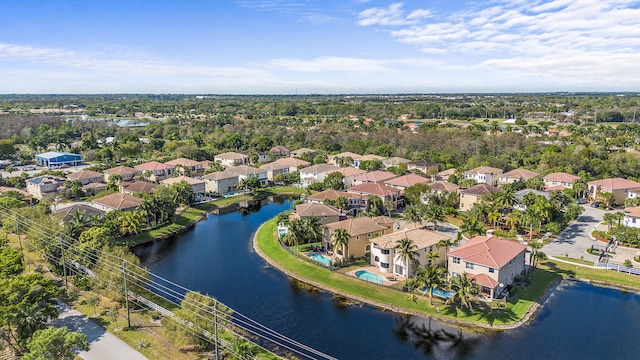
442 185
119 201
292 162
85 174
69 211
177 179
183 162
361 225
153 166
488 251
481 189
484 170
520 174
421 237
615 183
220 175
244 170
6 189
320 168
140 187
334 195
304 150
632 211
279 148
353 156
310 209
484 280
374 188
96 187
407 180
423 163
273 166
446 173
395 161
375 176
350 171
231 155
121 170
561 176
372 157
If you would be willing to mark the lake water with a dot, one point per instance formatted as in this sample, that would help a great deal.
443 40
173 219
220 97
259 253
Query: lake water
578 321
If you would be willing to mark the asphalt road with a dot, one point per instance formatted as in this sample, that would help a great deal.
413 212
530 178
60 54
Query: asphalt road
103 345
575 240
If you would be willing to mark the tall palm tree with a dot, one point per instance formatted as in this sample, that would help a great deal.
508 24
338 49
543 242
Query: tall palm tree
413 214
472 227
513 220
313 229
434 214
446 244
505 199
465 288
130 223
433 257
406 249
609 218
535 246
295 234
340 240
430 277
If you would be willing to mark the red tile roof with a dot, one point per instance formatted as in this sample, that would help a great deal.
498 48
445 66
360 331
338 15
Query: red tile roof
561 176
485 280
153 166
407 180
375 176
488 251
481 189
374 188
615 183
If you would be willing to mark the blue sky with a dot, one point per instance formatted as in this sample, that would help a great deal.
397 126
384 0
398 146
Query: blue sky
318 46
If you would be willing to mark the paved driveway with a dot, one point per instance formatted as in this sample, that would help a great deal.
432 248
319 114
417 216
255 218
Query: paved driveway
575 240
104 346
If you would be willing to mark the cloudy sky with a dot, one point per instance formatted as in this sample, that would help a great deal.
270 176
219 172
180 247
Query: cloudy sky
318 46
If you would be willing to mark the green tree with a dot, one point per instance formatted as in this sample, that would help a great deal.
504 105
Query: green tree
11 263
183 193
434 214
430 277
130 223
206 314
406 249
7 149
93 302
334 181
472 227
533 259
465 289
110 270
295 234
609 218
242 349
340 240
55 344
371 165
413 214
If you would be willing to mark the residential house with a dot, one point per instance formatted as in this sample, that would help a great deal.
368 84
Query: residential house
220 182
137 187
273 169
355 202
618 186
293 163
520 196
386 193
126 173
197 186
336 159
394 161
444 175
86 176
43 185
325 213
232 159
515 175
441 186
94 188
315 173
491 261
349 173
24 196
360 230
470 196
386 258
424 166
187 167
484 175
158 171
405 181
377 176
117 201
632 217
68 212
300 152
263 157
368 157
558 181
280 151
244 172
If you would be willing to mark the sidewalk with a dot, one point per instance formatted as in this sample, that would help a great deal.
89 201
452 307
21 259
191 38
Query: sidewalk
103 345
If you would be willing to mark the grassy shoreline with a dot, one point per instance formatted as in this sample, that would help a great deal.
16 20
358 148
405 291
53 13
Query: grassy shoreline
518 310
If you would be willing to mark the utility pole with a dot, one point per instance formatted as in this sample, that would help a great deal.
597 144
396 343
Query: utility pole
64 263
19 239
215 328
126 292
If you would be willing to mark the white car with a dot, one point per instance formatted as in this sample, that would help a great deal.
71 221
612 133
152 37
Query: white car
28 167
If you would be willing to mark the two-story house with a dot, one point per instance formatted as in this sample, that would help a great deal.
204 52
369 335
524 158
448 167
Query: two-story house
315 173
325 213
360 230
377 176
386 193
558 181
220 182
117 201
39 186
274 169
515 175
405 181
293 163
187 167
484 175
619 187
470 196
424 166
355 202
232 159
244 172
157 171
280 151
197 186
126 173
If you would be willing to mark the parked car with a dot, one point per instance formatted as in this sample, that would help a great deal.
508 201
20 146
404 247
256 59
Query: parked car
582 201
595 204
28 167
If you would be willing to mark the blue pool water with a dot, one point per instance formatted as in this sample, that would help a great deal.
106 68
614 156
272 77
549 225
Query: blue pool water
365 275
281 232
320 258
440 293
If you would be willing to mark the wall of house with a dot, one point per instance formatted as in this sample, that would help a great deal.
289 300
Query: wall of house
512 269
467 201
633 222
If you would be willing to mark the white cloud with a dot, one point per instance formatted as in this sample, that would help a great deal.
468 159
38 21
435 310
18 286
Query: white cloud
391 16
329 64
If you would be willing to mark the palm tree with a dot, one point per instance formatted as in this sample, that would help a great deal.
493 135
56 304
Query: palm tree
580 187
619 216
609 218
433 257
465 288
130 223
513 220
295 234
494 216
505 199
413 214
375 204
431 277
535 246
405 248
472 227
446 244
313 229
434 214
340 240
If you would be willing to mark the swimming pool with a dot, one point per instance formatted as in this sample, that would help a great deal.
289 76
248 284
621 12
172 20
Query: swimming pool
370 277
320 258
281 231
438 292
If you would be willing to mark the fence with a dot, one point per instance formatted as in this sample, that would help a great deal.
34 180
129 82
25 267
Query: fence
619 268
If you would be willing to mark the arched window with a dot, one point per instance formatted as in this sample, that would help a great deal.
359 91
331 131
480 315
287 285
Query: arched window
376 259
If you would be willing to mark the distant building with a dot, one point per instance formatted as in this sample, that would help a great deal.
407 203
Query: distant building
125 172
159 171
45 184
117 201
484 175
220 182
559 181
471 196
54 159
424 166
516 175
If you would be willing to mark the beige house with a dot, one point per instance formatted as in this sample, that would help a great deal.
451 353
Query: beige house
220 182
444 174
367 157
618 186
26 197
359 202
244 172
43 185
86 176
125 172
424 166
559 181
349 173
491 261
377 176
441 186
470 196
273 169
117 201
197 186
187 167
394 161
335 159
158 170
405 181
325 213
388 194
293 163
484 175
516 175
297 153
361 230
231 159
280 151
315 173
386 258
137 187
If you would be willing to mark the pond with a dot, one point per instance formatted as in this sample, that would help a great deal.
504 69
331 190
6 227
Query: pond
216 257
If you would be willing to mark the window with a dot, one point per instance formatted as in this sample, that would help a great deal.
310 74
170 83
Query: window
455 274
633 220
469 266
367 248
399 269
385 251
376 259
384 265
456 260
491 270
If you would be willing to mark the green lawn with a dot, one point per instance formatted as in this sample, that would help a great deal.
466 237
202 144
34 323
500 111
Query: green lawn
261 193
484 314
605 276
186 218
